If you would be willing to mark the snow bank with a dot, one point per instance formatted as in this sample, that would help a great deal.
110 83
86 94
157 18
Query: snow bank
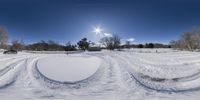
68 68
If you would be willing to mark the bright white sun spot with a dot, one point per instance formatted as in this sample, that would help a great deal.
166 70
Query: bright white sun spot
97 30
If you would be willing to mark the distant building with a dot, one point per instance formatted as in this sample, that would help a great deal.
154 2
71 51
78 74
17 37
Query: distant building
94 47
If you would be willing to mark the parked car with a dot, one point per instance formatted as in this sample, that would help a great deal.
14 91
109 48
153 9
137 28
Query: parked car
10 52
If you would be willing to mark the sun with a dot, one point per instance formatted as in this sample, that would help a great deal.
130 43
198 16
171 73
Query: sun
97 30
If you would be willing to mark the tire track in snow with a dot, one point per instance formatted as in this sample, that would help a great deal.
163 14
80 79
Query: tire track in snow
116 76
164 85
57 84
9 76
10 64
117 79
107 81
40 86
134 74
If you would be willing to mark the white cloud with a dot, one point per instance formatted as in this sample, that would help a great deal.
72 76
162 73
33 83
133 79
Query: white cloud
107 34
130 39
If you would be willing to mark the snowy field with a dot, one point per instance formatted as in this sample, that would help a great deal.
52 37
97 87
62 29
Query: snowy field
137 74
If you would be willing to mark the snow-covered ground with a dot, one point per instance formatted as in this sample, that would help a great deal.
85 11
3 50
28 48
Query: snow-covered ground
136 74
68 68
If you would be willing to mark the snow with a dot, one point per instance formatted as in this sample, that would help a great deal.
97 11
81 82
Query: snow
68 69
135 74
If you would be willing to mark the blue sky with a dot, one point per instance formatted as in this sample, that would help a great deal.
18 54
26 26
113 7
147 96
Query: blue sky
71 20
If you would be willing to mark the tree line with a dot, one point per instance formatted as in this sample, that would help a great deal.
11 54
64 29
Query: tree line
187 41
146 45
112 42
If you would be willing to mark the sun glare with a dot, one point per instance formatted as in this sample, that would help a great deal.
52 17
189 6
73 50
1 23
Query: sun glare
97 30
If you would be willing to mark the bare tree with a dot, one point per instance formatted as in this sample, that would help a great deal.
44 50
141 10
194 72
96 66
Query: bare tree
70 47
117 41
176 44
18 45
111 43
188 40
196 31
3 37
107 42
128 44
